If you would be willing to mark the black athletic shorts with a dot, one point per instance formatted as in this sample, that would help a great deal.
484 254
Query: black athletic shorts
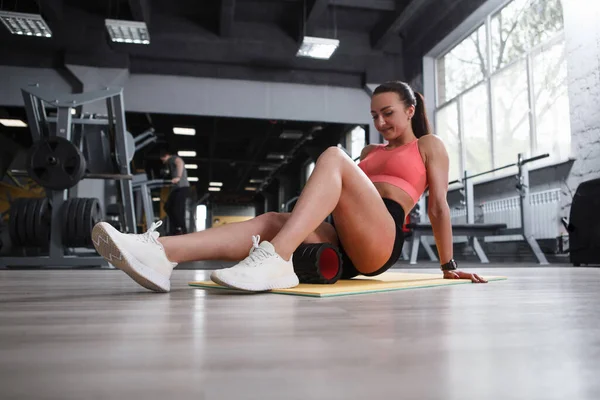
397 212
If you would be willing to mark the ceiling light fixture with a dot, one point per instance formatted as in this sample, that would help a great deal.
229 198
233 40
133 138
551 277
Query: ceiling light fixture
214 189
250 189
267 167
121 31
184 131
191 166
25 24
186 153
156 199
192 179
13 123
275 156
291 135
316 47
215 184
256 180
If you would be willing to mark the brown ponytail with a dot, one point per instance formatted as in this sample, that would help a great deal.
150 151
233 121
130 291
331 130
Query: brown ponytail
419 122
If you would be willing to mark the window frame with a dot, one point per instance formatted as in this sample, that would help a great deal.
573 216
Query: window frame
483 16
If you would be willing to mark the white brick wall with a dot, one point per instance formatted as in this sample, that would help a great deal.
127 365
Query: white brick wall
582 31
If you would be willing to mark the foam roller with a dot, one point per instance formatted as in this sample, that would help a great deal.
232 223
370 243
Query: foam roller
319 263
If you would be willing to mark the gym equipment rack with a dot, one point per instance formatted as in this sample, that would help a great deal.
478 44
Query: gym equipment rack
35 99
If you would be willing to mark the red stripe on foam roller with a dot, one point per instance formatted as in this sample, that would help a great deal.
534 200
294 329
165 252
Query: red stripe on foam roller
329 263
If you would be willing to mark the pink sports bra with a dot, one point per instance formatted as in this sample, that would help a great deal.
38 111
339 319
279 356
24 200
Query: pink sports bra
402 167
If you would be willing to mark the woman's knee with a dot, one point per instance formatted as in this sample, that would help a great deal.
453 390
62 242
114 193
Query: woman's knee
333 152
325 233
273 221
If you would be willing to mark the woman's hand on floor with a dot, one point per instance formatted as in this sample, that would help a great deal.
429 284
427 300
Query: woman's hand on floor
463 275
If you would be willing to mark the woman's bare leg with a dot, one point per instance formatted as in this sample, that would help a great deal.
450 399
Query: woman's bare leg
231 242
365 220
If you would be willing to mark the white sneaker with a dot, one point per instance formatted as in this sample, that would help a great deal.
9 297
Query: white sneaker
142 257
262 270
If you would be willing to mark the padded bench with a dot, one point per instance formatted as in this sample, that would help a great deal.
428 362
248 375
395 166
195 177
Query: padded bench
462 229
472 231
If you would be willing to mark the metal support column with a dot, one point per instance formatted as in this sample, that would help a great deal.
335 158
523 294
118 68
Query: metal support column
123 158
414 250
428 249
526 223
32 116
56 249
147 203
470 204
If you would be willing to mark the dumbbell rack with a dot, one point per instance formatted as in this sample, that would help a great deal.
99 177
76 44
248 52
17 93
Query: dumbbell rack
34 98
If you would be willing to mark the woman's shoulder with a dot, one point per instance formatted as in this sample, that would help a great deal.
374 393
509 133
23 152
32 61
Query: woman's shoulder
430 141
430 146
367 149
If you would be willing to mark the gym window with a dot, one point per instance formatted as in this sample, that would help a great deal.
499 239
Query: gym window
356 140
308 169
502 89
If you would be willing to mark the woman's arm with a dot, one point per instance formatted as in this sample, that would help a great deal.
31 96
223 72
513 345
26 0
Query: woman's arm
437 164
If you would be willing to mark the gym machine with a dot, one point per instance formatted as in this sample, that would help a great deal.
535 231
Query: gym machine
57 163
142 186
475 230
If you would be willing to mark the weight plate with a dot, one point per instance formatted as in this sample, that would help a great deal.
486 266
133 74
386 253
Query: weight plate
22 222
13 223
92 217
69 222
32 208
65 222
41 223
56 163
72 235
12 226
96 216
79 215
85 223
130 143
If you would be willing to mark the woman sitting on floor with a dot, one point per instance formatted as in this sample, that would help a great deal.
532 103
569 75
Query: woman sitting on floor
368 202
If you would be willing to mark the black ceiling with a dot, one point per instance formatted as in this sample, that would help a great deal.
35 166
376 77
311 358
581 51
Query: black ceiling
233 150
241 39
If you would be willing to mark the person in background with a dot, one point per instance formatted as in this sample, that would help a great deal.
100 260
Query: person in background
175 205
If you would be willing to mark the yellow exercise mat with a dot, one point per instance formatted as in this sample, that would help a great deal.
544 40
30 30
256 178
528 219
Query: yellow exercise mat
386 282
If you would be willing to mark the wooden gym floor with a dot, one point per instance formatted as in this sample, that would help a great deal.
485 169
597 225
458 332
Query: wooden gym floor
94 334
